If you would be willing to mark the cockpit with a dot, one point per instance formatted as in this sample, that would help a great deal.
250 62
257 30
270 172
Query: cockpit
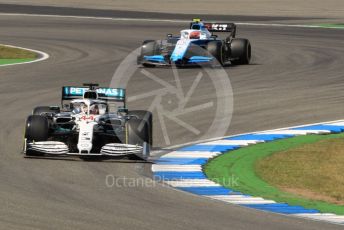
94 108
194 34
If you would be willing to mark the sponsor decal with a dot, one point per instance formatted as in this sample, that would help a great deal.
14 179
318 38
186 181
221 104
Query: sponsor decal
108 92
216 26
87 118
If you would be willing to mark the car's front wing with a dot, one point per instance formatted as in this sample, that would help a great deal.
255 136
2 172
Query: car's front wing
60 148
160 60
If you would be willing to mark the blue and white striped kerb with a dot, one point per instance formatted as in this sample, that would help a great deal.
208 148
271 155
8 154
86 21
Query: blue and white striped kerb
182 169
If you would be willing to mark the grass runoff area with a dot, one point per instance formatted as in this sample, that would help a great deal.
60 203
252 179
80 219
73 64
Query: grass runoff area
10 55
334 25
303 170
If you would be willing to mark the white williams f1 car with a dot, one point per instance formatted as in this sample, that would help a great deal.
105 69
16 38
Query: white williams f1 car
197 45
90 124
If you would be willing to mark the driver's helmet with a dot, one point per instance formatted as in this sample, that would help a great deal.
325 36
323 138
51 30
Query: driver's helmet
195 35
94 109
84 108
79 108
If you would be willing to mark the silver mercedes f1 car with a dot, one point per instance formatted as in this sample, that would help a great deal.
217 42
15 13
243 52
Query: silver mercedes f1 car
90 122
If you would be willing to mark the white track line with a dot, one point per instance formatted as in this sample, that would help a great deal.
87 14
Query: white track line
288 25
191 154
43 56
231 142
323 217
296 132
167 20
176 168
253 132
96 18
242 199
336 124
193 183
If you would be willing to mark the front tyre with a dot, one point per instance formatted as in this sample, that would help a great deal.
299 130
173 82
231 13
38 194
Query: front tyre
148 48
137 132
216 49
147 116
36 129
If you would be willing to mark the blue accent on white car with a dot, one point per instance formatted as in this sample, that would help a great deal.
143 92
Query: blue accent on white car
154 58
199 59
180 50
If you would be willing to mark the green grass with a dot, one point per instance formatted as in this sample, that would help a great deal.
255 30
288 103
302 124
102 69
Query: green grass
236 170
16 53
334 25
9 55
12 61
311 170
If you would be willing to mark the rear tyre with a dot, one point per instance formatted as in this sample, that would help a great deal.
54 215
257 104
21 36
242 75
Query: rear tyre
240 51
45 109
148 118
36 129
215 48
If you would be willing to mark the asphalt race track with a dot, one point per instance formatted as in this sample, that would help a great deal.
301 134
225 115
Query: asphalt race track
296 77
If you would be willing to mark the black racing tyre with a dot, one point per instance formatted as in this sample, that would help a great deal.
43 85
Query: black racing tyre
36 128
240 51
137 132
45 109
148 118
215 48
148 48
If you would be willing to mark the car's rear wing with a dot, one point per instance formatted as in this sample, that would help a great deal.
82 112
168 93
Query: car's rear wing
108 94
214 26
220 27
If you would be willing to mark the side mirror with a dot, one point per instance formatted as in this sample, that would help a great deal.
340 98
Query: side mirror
123 110
67 107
